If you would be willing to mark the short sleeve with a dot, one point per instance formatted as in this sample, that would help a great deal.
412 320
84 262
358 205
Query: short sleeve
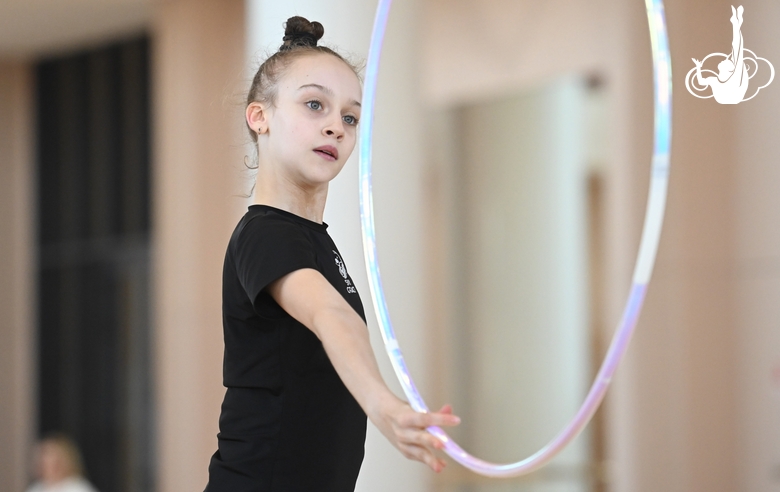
267 249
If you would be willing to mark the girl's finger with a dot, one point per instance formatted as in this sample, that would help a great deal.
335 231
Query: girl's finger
420 438
423 455
418 453
433 441
446 409
440 419
418 420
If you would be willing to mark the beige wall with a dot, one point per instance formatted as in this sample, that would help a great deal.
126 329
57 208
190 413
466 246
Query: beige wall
683 383
17 254
756 280
198 57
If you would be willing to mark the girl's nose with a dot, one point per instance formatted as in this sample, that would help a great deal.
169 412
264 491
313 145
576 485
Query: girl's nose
335 129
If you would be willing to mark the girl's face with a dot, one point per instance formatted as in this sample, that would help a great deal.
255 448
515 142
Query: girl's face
311 129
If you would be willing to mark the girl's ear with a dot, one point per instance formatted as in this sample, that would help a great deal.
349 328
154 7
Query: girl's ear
257 117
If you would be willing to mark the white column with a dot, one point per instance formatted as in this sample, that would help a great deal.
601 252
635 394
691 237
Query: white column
398 160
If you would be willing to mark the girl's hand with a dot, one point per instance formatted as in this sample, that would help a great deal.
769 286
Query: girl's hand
405 429
697 62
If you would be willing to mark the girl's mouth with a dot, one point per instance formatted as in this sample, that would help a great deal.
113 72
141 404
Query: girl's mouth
328 152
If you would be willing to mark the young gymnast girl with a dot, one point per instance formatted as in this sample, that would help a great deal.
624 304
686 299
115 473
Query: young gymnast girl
299 370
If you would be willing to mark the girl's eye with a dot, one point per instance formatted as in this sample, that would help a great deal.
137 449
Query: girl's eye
315 105
350 120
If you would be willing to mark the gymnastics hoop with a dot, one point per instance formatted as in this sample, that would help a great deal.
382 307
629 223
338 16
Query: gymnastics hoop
656 202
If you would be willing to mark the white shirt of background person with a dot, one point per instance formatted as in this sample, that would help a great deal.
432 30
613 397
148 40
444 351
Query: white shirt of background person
58 467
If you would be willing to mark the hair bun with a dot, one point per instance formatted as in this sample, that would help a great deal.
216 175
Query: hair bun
298 31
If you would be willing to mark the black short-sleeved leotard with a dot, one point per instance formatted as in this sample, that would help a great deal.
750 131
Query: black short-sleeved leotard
288 423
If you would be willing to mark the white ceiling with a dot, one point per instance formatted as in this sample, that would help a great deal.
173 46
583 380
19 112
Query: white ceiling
34 28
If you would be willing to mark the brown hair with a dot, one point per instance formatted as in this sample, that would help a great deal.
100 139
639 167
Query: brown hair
300 39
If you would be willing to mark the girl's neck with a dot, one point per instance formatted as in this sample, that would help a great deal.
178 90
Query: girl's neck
308 203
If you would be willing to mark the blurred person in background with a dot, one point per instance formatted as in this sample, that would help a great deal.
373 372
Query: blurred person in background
58 466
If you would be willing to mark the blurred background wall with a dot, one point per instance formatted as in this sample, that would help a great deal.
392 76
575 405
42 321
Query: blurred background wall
696 404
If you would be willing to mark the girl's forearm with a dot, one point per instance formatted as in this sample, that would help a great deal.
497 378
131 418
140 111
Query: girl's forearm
345 338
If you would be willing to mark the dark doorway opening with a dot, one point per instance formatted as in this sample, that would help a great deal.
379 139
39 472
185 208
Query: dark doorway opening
94 361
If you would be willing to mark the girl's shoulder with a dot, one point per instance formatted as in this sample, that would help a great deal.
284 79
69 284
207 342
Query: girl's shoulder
266 223
265 219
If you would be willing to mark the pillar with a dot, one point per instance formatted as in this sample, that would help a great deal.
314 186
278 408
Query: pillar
17 256
198 57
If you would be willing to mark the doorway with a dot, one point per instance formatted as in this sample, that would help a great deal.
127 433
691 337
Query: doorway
514 193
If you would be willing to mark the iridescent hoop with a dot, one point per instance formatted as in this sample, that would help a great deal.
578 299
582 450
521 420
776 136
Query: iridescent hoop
651 232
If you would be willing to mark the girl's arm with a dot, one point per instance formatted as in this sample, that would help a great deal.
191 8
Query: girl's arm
309 298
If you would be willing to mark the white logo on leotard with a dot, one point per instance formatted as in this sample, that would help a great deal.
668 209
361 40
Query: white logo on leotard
730 84
343 271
